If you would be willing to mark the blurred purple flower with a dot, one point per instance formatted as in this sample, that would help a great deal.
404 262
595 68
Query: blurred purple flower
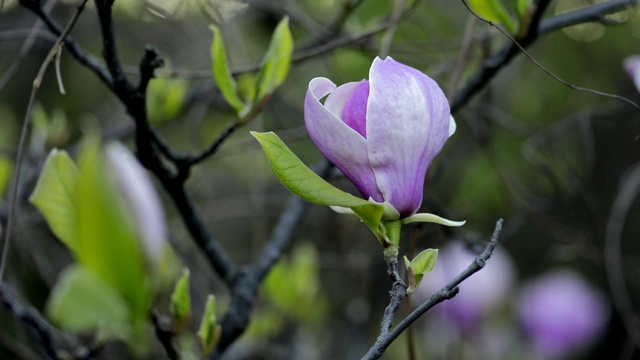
561 313
141 197
479 295
382 133
631 65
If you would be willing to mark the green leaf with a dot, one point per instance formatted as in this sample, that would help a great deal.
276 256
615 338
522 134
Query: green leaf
209 332
165 98
276 62
5 174
423 263
82 302
108 243
302 181
493 10
522 7
180 308
221 73
54 196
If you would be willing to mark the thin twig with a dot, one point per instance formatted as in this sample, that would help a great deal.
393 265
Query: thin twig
446 293
627 194
13 194
164 336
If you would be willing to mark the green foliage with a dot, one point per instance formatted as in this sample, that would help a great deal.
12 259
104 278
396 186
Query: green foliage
221 74
82 302
6 166
423 263
210 331
180 308
257 89
493 10
54 196
302 181
276 62
522 7
165 98
292 291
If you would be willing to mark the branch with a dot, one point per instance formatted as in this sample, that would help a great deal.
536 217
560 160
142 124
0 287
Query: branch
164 336
593 13
147 143
447 292
73 47
244 291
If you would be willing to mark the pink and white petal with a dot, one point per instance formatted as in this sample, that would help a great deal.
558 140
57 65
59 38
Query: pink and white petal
631 65
339 143
452 126
408 122
337 99
141 197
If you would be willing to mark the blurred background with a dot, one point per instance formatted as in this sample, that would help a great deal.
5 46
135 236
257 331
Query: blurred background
548 159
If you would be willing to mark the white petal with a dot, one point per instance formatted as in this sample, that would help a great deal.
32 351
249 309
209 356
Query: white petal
452 125
431 218
342 210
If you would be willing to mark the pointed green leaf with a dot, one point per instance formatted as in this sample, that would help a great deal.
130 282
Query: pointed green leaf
221 73
55 194
209 332
493 10
108 243
5 174
302 181
82 302
180 308
276 62
423 263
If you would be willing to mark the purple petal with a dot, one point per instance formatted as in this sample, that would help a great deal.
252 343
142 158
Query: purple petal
355 110
562 314
632 67
408 120
141 197
342 145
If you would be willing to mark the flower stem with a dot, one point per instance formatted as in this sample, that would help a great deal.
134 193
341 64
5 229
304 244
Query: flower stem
398 288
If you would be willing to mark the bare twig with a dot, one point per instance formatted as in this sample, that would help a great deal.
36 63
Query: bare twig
164 336
491 66
627 194
447 292
13 194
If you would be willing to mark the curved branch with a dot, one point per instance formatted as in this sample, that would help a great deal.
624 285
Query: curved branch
447 292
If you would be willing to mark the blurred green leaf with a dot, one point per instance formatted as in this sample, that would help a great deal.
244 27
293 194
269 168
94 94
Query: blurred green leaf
6 166
108 243
423 263
54 196
82 302
209 332
180 308
221 73
522 7
165 98
276 62
302 181
494 10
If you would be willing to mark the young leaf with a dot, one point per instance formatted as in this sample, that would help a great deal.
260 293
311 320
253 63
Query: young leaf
209 332
82 302
180 308
108 243
276 62
5 174
423 263
302 181
54 196
493 10
221 73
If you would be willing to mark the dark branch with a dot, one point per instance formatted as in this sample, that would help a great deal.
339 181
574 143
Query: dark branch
70 44
447 292
593 13
164 336
245 289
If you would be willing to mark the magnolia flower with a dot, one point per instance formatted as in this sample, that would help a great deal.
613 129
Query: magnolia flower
562 314
382 133
632 67
140 196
